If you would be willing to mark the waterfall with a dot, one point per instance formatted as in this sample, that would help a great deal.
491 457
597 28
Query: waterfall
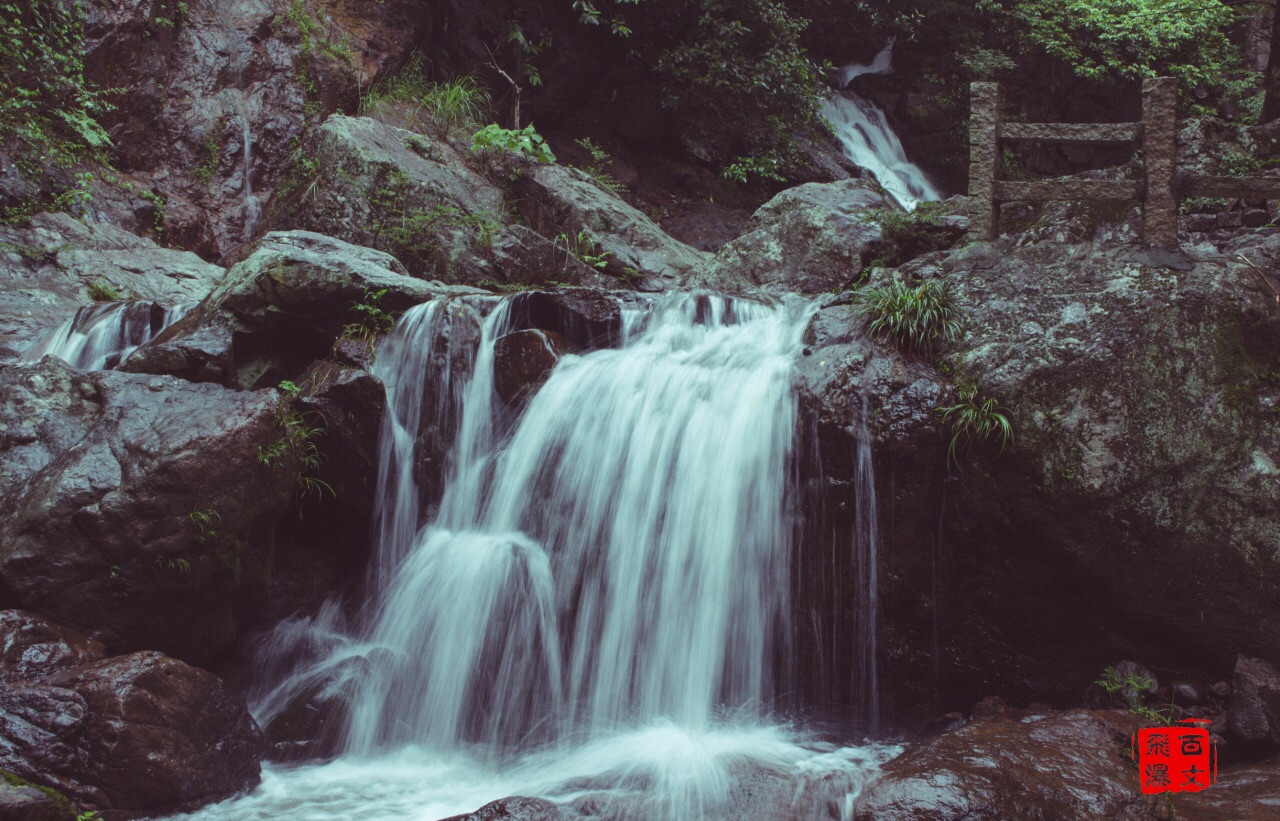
863 131
103 335
598 607
239 92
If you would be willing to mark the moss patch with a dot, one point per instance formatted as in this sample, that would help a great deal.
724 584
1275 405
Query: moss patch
63 808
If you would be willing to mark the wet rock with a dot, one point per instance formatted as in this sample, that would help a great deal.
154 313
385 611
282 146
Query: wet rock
1188 693
280 309
142 731
585 319
1255 701
350 402
560 202
1243 791
810 239
1036 766
47 267
28 803
31 646
989 707
522 362
515 809
419 199
136 508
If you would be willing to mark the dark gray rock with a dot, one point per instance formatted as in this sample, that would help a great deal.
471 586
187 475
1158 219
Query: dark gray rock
522 362
420 199
142 731
560 202
279 310
810 239
1254 710
31 646
136 508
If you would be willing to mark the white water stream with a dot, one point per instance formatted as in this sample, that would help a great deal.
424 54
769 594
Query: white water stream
103 335
599 612
869 142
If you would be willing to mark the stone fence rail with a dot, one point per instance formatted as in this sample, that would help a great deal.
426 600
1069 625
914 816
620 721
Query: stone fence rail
1156 134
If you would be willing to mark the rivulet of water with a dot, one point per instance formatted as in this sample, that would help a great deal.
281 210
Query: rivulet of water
103 335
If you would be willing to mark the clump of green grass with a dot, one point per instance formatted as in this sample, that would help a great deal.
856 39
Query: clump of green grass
914 318
103 291
461 103
975 419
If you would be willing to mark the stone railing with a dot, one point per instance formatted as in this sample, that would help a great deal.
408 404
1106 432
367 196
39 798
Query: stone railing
1156 134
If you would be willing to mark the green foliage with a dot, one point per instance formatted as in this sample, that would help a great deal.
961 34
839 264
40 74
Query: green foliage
914 319
1130 39
596 168
371 319
905 235
975 419
209 163
103 291
204 522
1131 687
529 49
461 103
526 142
583 248
296 445
745 168
49 110
179 564
1202 205
741 69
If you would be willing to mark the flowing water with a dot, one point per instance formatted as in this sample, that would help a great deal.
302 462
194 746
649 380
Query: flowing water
596 611
868 140
103 335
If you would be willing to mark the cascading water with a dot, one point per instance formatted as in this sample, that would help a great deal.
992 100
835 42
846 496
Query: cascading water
866 546
599 610
240 100
104 335
869 142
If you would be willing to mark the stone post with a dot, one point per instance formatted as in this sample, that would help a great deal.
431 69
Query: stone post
985 104
1159 146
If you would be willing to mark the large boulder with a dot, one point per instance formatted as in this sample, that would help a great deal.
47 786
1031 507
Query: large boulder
1029 766
48 267
282 308
138 508
568 206
419 198
810 238
522 362
142 731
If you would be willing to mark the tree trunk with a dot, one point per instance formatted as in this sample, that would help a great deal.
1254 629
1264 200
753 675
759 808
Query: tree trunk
1271 77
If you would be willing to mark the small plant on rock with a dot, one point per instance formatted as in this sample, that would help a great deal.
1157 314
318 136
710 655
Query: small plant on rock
905 235
596 168
526 142
371 320
975 419
204 520
583 248
103 291
298 432
914 318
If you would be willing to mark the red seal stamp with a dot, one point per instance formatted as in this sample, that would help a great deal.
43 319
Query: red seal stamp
1175 759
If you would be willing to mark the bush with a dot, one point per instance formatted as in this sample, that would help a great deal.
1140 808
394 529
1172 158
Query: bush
525 142
914 319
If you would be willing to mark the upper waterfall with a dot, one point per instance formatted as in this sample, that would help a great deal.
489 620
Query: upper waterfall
869 141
